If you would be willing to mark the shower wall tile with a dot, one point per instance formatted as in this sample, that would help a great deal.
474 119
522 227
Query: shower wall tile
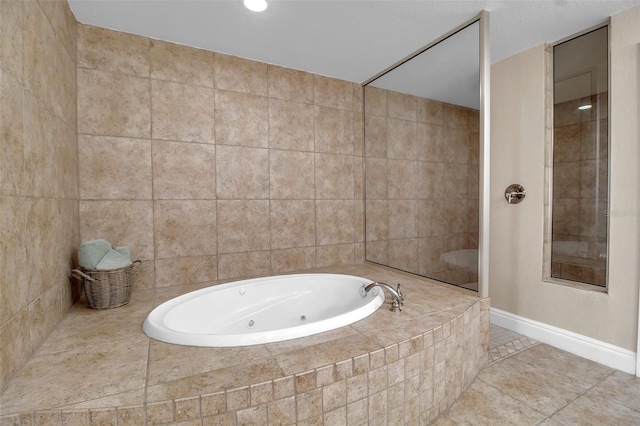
11 139
241 119
457 218
243 225
293 259
181 112
375 136
377 219
358 177
246 264
566 143
291 125
358 134
431 112
181 64
375 101
456 181
113 168
240 75
122 223
291 174
11 41
403 219
113 104
338 254
402 106
430 250
334 222
455 117
242 173
402 141
376 178
431 180
333 131
289 84
430 141
334 177
330 92
402 179
359 221
292 223
184 228
403 254
456 146
184 170
113 51
186 270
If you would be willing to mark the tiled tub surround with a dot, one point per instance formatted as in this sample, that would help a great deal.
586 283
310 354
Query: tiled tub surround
390 368
215 167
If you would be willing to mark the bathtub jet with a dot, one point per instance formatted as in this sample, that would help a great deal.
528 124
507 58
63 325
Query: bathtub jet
263 310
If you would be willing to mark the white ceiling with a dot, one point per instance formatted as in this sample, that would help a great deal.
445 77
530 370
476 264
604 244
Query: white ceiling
351 40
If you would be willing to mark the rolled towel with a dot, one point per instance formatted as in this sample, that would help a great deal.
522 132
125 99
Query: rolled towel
124 251
113 260
90 253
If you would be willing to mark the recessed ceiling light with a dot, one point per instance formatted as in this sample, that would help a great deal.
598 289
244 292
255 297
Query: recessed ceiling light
583 107
255 5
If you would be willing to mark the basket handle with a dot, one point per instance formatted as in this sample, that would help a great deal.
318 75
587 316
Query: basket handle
76 273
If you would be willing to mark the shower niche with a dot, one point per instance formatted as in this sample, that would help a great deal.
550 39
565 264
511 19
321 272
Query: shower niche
422 156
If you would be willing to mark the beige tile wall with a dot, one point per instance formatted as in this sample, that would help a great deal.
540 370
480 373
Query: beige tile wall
421 160
38 174
215 167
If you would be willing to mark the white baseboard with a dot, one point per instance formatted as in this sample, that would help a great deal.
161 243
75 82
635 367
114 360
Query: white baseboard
577 344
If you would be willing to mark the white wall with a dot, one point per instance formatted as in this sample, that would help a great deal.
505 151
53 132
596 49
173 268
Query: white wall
517 231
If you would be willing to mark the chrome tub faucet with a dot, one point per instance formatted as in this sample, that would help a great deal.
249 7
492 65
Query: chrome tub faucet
396 293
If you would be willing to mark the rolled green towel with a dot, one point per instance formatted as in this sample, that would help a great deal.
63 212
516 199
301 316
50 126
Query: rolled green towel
113 260
90 253
124 251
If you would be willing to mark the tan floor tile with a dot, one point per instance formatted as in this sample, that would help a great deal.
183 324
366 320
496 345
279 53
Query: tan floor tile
595 410
565 366
535 386
621 388
483 404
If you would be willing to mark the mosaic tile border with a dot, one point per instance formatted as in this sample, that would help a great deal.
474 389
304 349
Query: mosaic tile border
510 348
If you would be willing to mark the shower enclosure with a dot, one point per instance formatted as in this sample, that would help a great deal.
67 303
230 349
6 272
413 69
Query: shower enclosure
423 150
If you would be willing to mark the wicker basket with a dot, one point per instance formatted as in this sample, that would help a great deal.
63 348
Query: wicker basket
107 289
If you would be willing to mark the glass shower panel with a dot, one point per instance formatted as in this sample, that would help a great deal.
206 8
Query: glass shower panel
422 147
580 159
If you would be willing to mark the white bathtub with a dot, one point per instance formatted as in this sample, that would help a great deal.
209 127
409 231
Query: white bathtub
263 310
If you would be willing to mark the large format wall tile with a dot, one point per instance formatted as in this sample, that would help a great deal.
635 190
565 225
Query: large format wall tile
240 75
122 223
242 173
291 174
292 223
113 104
114 168
182 64
11 142
291 125
113 51
184 171
241 119
334 131
185 228
181 112
290 84
11 41
243 225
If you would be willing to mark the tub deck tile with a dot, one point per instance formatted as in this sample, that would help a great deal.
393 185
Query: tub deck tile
102 362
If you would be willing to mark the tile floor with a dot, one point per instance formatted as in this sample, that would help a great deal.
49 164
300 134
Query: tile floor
528 383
